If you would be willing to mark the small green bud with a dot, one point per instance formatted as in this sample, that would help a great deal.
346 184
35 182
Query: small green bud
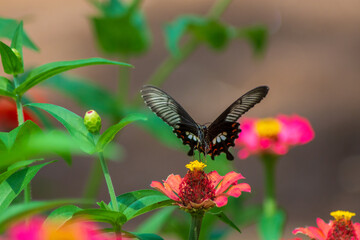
92 121
17 54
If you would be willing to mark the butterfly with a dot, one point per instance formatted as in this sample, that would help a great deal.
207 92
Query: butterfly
212 140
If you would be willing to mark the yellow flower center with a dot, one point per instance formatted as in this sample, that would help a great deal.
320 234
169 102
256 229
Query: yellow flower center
268 127
339 215
195 165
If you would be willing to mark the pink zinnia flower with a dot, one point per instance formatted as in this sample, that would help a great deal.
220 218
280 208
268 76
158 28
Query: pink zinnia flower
199 190
273 135
37 229
342 228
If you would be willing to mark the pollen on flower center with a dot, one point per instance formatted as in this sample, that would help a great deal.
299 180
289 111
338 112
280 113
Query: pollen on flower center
268 127
338 215
342 227
195 165
196 187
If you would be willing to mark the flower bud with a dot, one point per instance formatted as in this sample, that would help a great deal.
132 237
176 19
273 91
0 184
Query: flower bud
17 54
92 121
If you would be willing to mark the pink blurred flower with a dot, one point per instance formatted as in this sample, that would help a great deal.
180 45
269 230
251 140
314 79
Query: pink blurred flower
37 229
199 190
273 135
342 228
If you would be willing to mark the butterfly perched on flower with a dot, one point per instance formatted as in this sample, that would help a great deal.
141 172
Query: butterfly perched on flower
211 140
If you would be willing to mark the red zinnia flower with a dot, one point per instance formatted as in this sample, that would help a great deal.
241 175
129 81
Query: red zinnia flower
342 228
8 114
199 190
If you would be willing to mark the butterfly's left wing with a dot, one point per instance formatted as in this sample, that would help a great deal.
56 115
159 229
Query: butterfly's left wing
173 114
225 129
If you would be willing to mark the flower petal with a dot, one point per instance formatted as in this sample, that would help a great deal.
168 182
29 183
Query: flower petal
357 229
174 182
221 200
166 191
215 178
235 191
229 179
325 227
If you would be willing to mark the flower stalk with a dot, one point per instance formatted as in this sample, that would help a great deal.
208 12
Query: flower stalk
269 204
108 182
20 116
172 62
195 225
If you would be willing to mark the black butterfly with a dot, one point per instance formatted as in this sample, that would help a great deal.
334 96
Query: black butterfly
212 140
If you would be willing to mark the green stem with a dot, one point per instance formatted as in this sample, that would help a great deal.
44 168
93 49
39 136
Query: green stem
269 204
19 107
172 62
94 181
195 227
117 230
108 182
20 117
123 83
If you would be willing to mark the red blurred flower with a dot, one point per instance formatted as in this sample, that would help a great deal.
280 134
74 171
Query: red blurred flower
342 228
201 191
39 229
273 135
8 114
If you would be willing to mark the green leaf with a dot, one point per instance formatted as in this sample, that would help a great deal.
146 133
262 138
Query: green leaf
19 135
135 203
271 227
8 28
61 215
11 63
14 184
158 129
175 30
225 219
121 28
17 43
122 35
39 74
18 211
87 94
155 222
110 133
103 205
257 36
102 215
41 144
6 87
212 32
25 133
143 236
72 122
14 168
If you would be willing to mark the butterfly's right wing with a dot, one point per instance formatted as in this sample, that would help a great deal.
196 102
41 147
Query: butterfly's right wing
166 108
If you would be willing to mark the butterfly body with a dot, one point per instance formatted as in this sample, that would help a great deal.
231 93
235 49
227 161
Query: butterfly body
214 139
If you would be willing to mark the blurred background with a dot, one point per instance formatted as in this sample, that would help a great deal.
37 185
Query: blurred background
311 66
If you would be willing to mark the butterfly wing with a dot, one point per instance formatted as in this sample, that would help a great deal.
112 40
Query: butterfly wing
166 108
225 129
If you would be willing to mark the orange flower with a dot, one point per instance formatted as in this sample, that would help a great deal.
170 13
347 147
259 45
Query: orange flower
342 228
199 190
